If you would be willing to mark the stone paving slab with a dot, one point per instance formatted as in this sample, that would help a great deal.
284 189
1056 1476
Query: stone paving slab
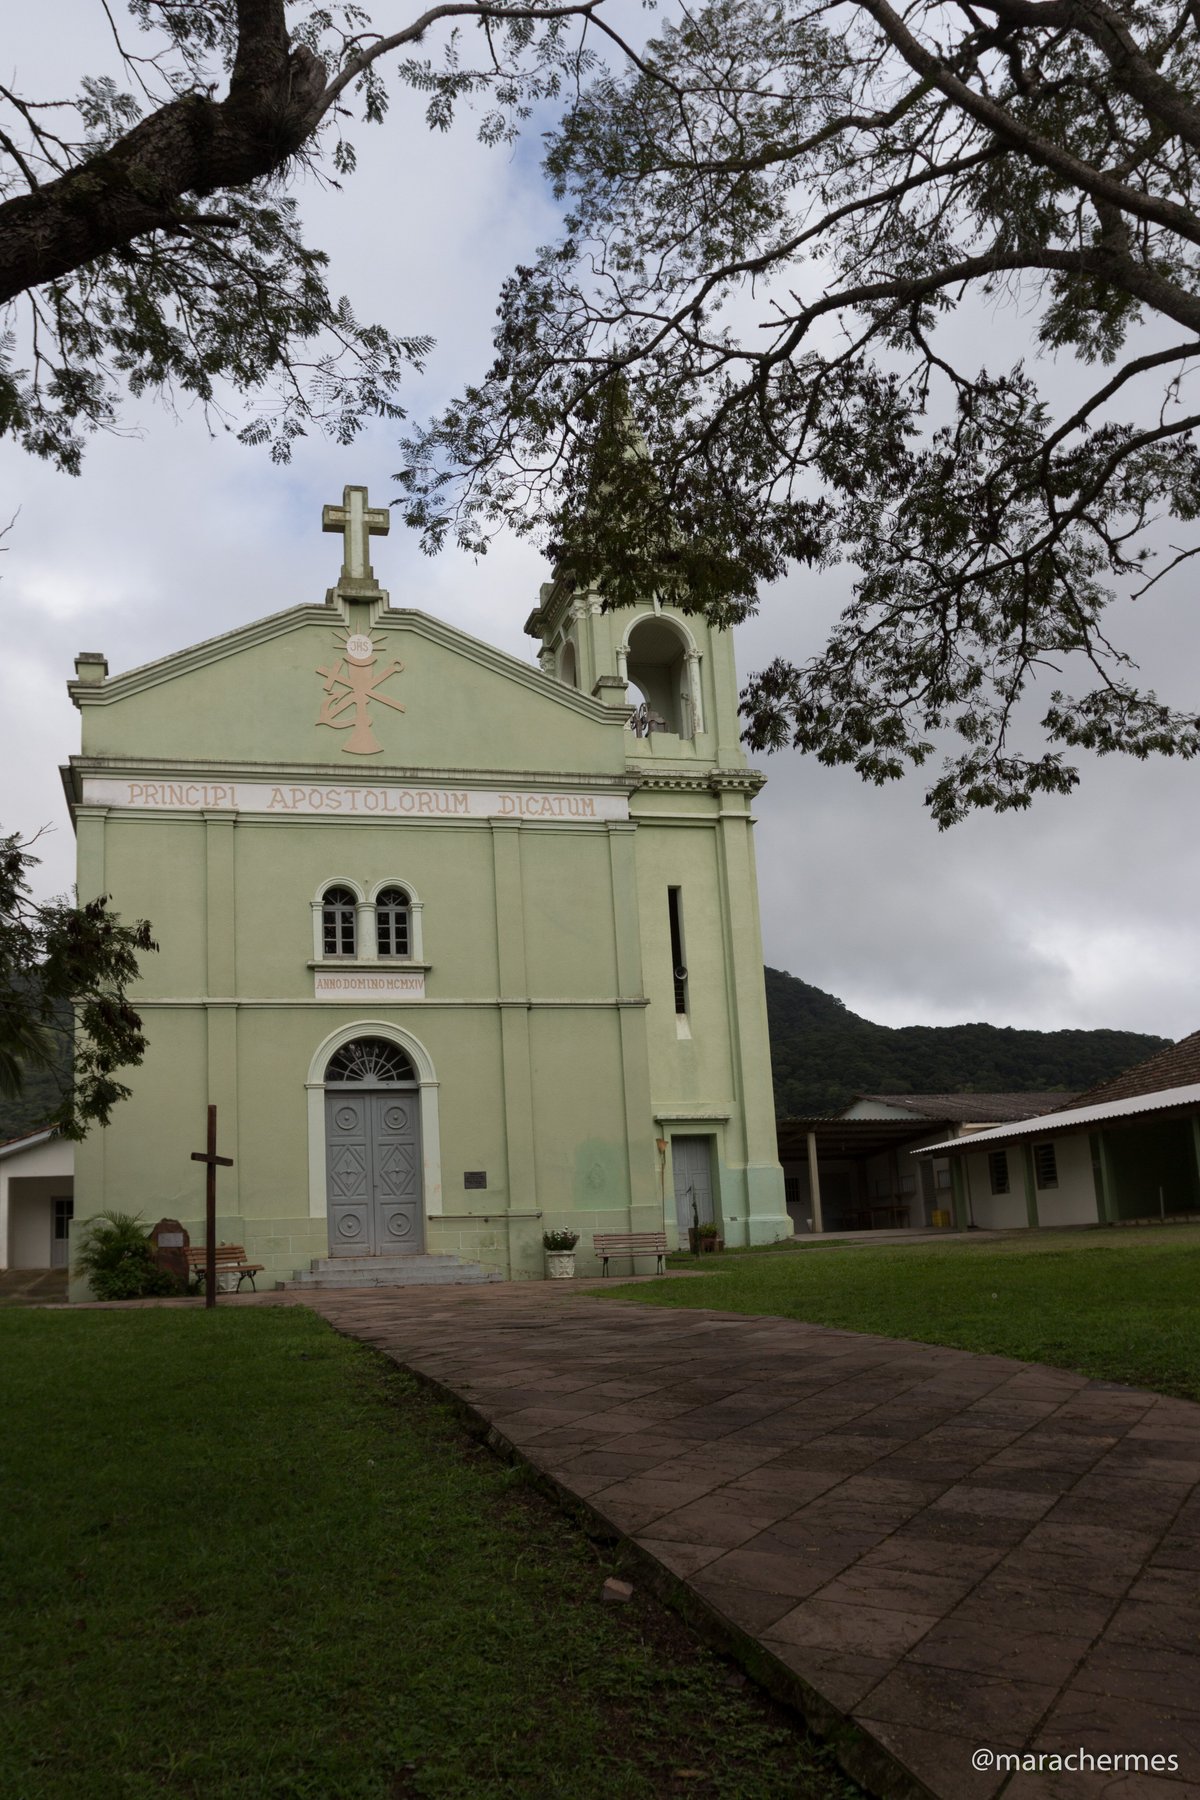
950 1552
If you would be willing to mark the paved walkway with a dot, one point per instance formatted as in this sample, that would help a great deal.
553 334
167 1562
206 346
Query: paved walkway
956 1552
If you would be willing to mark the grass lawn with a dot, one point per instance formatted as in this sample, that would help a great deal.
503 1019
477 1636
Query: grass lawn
242 1556
1121 1305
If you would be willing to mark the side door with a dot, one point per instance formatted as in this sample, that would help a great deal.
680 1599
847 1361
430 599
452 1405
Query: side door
691 1165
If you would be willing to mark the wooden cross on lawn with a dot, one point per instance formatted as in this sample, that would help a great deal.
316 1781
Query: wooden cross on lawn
214 1162
358 524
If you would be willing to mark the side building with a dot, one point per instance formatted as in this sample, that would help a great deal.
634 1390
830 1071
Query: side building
461 949
1127 1150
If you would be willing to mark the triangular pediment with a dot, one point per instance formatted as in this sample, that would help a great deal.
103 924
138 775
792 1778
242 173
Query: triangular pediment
309 687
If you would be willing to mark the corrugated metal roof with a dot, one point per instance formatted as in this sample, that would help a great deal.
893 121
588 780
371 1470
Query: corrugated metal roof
1075 1118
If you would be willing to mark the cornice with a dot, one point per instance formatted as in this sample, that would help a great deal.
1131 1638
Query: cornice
713 781
179 768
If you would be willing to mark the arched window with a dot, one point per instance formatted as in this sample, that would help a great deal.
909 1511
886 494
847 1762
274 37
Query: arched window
339 919
391 922
567 666
371 1062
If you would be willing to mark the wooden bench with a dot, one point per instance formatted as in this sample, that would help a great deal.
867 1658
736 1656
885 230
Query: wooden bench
231 1260
632 1244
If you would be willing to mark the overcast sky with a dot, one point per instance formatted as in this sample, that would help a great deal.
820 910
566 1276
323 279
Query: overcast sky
1078 913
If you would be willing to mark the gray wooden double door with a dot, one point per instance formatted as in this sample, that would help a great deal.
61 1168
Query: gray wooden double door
373 1168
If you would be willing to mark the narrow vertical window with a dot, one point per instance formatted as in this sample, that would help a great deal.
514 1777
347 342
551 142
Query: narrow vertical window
1045 1164
391 922
339 919
678 965
998 1171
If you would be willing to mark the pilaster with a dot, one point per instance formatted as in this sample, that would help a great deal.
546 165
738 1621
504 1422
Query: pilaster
221 1020
516 1059
90 824
640 1145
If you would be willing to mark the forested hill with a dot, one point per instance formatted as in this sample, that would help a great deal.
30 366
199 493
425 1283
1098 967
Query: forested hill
823 1054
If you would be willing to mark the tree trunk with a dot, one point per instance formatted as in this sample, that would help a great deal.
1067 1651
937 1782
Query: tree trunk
191 147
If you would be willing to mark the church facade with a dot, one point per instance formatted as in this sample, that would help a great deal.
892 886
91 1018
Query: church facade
461 948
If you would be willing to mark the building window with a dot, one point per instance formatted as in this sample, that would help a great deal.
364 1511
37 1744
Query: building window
64 1212
339 918
391 922
678 966
373 1061
998 1171
1045 1165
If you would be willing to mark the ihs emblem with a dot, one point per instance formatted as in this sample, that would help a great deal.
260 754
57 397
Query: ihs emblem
350 687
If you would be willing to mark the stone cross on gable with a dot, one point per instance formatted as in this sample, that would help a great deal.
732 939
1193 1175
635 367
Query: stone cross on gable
358 524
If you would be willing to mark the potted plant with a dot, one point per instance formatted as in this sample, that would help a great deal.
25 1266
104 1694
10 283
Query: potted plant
560 1254
707 1236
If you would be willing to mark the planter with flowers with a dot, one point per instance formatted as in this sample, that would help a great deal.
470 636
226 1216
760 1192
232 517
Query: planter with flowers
560 1254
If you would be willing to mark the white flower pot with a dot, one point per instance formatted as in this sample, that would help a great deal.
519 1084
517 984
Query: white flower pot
560 1265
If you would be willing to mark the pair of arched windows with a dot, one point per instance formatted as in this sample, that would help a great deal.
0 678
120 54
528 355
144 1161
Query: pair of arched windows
340 923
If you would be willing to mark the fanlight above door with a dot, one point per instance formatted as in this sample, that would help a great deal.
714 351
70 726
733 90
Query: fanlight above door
372 1061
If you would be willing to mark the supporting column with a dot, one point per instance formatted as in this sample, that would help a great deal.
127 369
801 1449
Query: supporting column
695 692
366 938
4 1225
1102 1177
814 1185
958 1183
1031 1206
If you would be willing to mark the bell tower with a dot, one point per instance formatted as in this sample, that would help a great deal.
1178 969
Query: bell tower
673 670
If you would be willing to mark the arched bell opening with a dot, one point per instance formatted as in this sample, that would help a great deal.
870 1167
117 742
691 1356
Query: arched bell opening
656 666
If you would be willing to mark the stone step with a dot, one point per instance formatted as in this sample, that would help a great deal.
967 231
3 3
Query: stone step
390 1271
322 1265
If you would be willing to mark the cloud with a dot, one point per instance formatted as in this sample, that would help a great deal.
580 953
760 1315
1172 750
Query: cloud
1077 913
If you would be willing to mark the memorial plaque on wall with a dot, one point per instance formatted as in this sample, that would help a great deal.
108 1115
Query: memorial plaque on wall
475 1178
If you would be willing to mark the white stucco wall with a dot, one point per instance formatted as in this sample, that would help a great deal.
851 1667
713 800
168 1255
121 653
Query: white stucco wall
1073 1201
29 1180
996 1212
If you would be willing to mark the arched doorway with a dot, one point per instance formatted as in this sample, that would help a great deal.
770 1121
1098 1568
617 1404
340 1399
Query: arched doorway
373 1151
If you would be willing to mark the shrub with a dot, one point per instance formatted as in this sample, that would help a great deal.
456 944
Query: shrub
117 1259
559 1240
